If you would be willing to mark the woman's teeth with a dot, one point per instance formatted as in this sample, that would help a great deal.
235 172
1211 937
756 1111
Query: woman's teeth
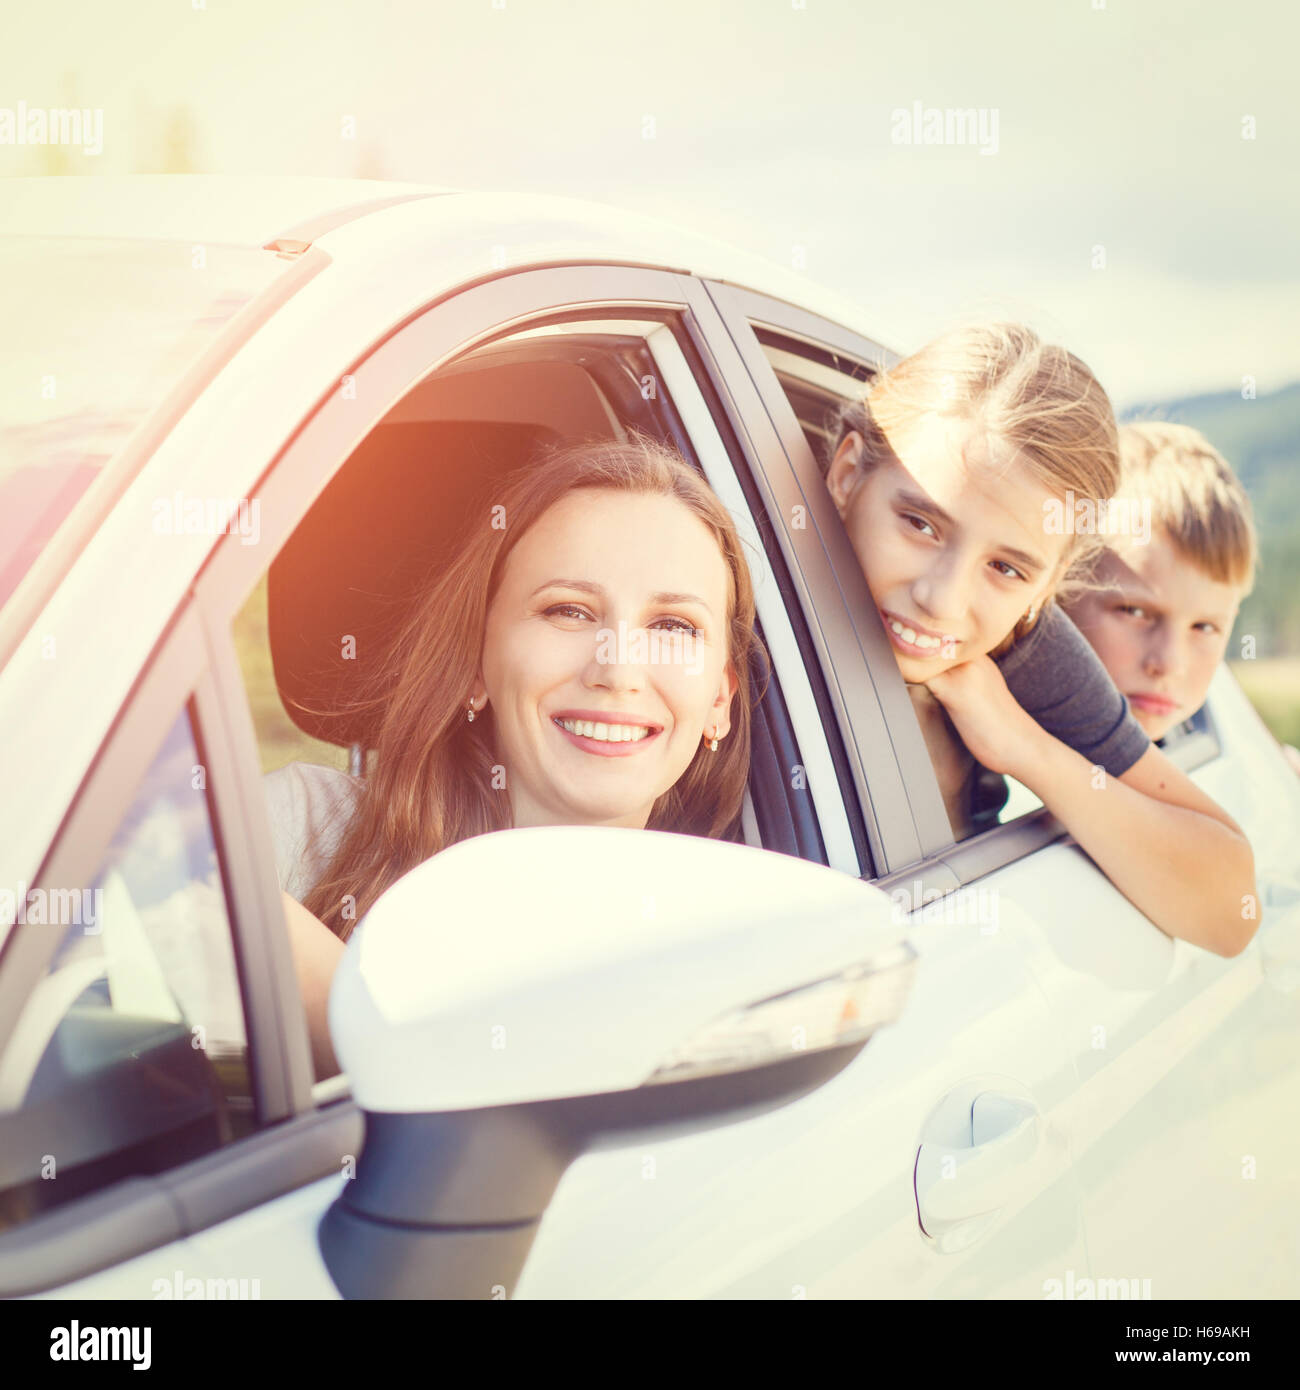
917 639
606 733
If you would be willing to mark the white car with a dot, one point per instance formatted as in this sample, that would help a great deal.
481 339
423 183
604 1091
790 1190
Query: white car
848 1057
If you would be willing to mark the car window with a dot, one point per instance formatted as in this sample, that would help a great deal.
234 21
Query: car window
332 600
131 1053
817 382
279 739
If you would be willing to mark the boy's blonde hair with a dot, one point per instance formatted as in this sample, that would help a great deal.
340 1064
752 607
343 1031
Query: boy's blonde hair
1195 497
1034 396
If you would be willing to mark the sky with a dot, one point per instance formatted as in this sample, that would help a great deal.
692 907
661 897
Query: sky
1128 184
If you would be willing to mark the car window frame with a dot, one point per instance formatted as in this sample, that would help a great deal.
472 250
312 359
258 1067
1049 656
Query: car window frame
948 863
699 374
839 846
291 1144
295 477
875 712
790 731
177 678
951 863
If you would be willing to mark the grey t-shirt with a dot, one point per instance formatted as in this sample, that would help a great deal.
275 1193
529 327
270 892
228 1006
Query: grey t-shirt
1058 679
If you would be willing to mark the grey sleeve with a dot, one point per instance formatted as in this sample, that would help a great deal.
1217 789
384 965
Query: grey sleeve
1058 679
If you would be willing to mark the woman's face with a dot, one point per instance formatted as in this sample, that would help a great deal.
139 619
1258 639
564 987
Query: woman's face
605 657
951 538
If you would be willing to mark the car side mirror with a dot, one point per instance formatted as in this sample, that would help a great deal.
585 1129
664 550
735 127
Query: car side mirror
524 991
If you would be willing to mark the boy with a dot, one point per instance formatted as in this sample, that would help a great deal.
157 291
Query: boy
1163 609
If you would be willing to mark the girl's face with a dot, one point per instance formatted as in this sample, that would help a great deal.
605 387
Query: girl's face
1160 625
605 657
951 538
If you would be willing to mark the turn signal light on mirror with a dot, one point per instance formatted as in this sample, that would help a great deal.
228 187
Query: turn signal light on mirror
836 1011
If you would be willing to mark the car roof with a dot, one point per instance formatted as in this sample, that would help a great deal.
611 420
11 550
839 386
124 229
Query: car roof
255 210
248 210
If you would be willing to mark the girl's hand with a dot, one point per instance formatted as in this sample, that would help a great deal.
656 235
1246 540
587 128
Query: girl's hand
987 716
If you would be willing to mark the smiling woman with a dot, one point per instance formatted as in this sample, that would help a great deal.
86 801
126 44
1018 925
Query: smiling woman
583 660
584 735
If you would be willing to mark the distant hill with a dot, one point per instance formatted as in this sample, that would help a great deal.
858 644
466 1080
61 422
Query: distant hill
1261 439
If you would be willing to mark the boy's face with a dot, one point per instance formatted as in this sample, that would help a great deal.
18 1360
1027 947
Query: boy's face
1160 625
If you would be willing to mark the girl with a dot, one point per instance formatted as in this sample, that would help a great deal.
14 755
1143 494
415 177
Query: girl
589 664
957 477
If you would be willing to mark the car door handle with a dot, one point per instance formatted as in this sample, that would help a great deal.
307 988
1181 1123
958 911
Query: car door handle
957 1184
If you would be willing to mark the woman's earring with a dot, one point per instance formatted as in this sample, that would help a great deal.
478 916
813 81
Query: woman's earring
470 715
713 746
1029 617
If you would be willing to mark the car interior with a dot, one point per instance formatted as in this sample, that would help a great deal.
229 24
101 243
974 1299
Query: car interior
103 1058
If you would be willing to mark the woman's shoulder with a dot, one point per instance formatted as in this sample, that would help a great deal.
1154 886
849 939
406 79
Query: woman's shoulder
309 806
309 793
311 782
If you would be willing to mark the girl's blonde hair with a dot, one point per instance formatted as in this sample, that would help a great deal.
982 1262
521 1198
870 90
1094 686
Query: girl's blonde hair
433 783
1035 397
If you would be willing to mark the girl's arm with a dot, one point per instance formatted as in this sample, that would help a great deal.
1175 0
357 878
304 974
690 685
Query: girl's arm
950 757
316 953
1170 849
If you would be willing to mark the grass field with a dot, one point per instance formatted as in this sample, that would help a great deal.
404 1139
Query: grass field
1273 686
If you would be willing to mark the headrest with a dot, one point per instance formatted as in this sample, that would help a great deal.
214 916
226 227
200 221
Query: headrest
368 547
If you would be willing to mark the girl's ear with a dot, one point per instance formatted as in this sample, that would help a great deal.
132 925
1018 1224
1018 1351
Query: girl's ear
1030 619
843 474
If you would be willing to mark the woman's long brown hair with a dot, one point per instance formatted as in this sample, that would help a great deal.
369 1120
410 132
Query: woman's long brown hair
431 780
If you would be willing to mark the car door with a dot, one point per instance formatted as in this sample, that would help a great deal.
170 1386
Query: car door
1185 1149
260 1229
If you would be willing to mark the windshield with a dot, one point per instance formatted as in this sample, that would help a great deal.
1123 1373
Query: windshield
93 335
